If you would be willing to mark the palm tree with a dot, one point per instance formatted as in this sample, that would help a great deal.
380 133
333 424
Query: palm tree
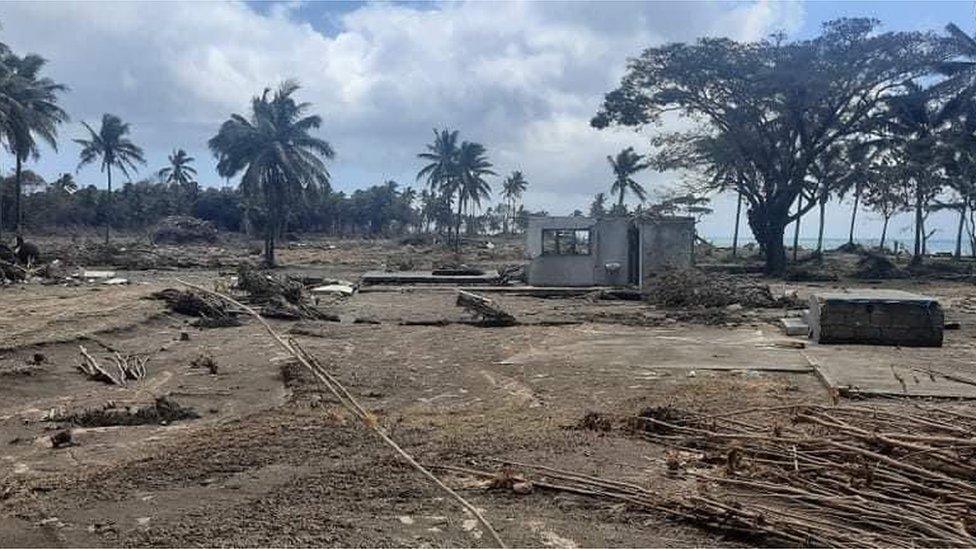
179 171
276 154
960 86
442 170
31 114
110 146
442 154
472 167
625 165
512 190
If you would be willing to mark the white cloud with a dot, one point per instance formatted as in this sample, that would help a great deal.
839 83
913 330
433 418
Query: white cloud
522 78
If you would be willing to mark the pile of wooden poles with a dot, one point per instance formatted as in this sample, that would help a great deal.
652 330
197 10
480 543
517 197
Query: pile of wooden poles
829 476
805 475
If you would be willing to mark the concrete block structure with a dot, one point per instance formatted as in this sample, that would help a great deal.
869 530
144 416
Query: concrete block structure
876 317
610 251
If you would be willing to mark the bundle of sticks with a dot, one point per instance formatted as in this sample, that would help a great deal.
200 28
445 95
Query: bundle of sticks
820 476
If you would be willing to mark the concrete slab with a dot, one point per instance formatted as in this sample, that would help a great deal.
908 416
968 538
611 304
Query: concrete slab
425 277
878 371
793 326
705 348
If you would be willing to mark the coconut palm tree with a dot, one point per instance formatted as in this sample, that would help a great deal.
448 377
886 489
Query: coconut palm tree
179 171
624 166
113 149
472 167
274 151
31 114
442 156
512 190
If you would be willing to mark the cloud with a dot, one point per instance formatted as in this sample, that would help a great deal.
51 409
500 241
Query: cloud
522 78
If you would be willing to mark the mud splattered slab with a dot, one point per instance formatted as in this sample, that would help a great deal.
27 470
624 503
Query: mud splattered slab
704 348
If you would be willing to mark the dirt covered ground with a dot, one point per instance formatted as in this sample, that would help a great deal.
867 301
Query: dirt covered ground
268 457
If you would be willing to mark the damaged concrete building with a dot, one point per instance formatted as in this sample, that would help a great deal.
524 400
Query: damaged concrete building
610 251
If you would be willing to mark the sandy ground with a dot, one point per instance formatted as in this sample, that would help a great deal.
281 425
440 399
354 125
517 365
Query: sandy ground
274 460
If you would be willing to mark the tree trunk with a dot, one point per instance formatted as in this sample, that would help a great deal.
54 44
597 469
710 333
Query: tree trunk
775 250
108 217
823 207
796 228
917 258
962 223
884 232
735 232
18 213
457 230
857 199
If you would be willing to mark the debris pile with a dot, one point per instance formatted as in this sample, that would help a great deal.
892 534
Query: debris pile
210 311
695 289
279 297
876 266
161 412
180 229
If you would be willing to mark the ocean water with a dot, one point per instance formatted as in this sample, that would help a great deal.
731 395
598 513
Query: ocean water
935 245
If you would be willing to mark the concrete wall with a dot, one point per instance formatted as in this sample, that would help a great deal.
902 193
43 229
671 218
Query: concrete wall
666 243
560 270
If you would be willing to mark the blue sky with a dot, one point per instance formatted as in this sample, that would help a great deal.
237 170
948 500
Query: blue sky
522 78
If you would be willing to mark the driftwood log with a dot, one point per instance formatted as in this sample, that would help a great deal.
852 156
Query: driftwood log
490 313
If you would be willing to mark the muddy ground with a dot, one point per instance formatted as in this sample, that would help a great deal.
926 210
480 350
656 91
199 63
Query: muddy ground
272 459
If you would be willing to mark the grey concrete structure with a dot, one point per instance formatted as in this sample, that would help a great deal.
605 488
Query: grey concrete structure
611 251
877 317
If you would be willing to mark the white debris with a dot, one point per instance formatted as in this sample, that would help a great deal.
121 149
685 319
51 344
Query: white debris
335 289
117 281
97 274
405 519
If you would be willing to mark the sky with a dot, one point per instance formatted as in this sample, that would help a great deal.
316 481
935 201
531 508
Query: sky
522 78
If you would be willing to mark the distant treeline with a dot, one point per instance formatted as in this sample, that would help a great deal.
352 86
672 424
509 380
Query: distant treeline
381 210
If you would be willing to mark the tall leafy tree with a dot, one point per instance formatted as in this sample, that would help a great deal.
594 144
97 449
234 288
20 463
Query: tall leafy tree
31 115
276 154
111 148
512 189
625 165
780 105
912 135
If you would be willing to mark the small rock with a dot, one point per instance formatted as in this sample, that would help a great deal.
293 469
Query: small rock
405 519
184 336
692 374
522 488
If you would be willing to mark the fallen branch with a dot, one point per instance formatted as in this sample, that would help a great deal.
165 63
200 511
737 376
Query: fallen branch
349 402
